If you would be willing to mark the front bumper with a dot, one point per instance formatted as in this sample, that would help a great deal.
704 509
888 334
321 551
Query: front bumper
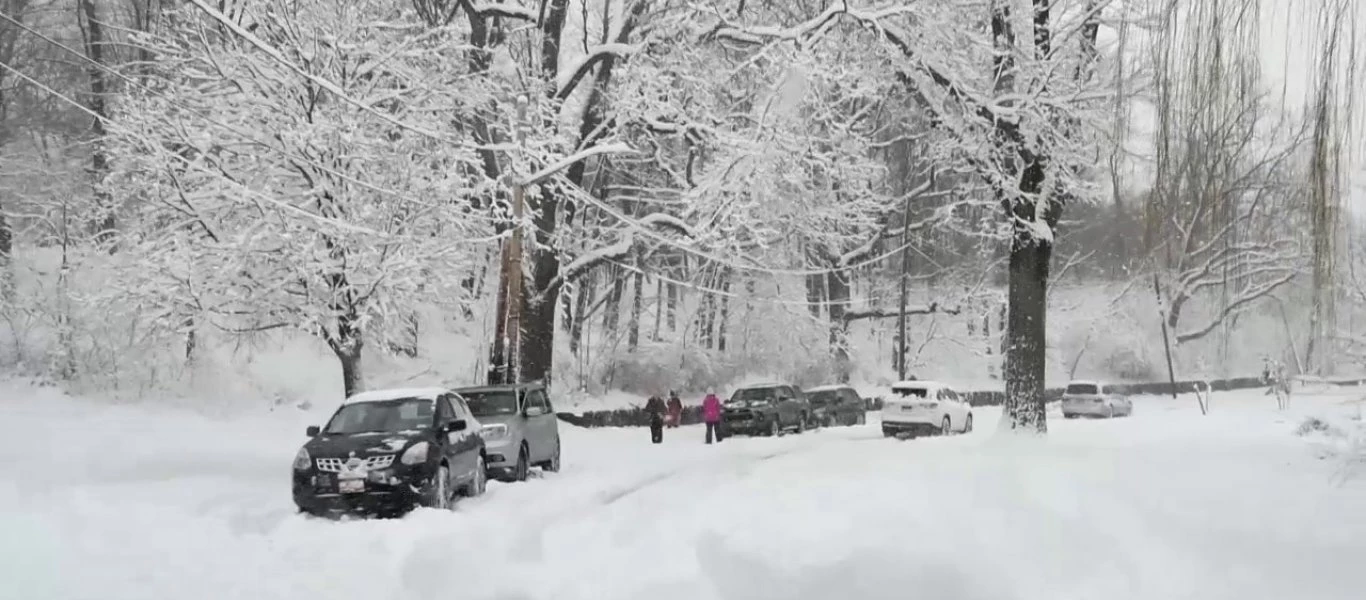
746 426
500 455
394 494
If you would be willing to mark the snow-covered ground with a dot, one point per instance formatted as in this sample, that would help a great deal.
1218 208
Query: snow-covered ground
110 503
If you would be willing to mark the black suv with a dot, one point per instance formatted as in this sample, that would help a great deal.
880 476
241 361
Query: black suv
837 405
766 409
385 452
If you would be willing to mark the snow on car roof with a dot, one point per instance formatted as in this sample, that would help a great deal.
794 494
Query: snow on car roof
919 384
827 388
429 393
1083 382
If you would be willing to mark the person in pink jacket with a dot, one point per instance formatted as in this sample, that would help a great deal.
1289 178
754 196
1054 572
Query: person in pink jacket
711 415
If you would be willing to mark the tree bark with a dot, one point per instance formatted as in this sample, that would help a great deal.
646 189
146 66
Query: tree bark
637 297
583 298
724 318
99 161
611 316
838 285
1026 332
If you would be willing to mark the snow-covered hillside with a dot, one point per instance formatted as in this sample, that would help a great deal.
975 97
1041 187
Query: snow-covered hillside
125 503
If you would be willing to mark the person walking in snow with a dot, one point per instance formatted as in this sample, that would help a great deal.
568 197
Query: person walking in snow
711 415
654 407
675 409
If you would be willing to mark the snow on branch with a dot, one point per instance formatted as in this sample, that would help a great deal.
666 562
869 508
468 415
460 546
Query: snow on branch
884 313
867 248
621 249
1243 298
573 73
498 9
568 161
800 32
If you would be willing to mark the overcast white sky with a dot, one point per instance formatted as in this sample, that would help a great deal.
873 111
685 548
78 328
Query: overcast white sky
1287 55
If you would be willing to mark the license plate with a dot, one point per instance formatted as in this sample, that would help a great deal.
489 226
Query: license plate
908 409
351 486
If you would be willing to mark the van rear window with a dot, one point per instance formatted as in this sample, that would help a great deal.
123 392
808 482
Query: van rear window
1082 389
910 392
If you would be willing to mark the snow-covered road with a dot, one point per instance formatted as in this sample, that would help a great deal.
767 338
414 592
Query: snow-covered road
124 503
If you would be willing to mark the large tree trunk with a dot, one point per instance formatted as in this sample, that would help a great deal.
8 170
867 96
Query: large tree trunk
583 298
637 297
99 162
611 316
347 344
724 316
672 307
838 285
1026 333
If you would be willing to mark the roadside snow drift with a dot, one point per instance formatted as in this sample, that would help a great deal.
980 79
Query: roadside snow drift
106 503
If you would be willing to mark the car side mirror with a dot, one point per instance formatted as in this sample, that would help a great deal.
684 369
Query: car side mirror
313 430
457 425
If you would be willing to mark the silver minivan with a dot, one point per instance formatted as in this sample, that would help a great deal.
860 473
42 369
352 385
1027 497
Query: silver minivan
519 428
1094 399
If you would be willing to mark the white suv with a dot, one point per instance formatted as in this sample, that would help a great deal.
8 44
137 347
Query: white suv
1093 399
925 407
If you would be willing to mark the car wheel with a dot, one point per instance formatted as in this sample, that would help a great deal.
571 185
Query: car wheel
945 427
967 427
888 433
441 488
523 467
553 465
477 485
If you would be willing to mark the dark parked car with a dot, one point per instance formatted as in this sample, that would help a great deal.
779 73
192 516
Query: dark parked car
837 405
766 409
520 429
385 452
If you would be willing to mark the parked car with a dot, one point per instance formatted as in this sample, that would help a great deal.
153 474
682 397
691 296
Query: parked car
520 429
387 451
837 405
766 409
1093 399
925 407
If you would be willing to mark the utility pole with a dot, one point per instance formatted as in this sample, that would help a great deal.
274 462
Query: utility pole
507 342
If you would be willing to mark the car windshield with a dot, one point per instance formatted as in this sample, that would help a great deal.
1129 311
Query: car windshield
488 404
1082 388
911 392
753 396
382 416
823 398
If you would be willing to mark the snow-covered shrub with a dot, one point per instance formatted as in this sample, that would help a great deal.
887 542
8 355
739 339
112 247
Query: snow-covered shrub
1319 426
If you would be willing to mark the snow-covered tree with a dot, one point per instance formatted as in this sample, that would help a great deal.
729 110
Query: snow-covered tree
292 165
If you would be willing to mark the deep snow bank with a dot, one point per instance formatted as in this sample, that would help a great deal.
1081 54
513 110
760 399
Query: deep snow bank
105 502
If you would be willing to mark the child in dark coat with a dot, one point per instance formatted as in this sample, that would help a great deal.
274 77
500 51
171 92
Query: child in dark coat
655 408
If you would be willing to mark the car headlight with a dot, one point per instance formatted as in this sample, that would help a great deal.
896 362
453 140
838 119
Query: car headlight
494 432
415 455
302 461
